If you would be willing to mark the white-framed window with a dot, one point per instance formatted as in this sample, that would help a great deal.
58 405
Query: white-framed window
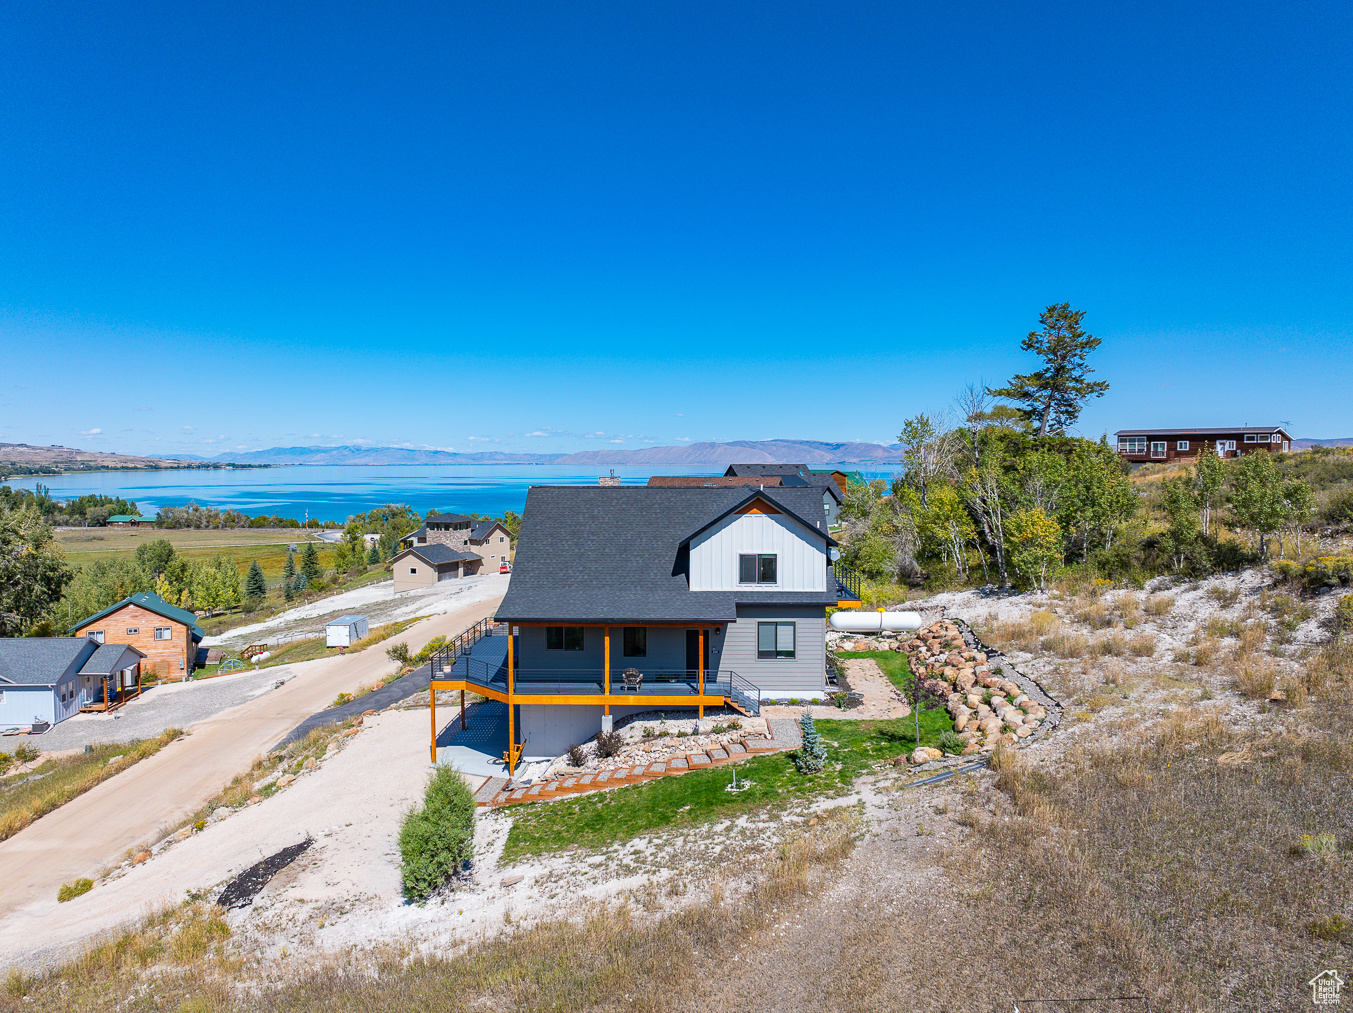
1254 438
1181 445
1158 448
757 568
413 569
1286 446
774 640
164 633
1132 445
97 635
133 630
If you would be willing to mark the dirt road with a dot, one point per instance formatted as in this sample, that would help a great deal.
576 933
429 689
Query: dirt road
95 830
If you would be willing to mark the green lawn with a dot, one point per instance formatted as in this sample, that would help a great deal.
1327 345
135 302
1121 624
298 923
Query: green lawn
607 817
893 664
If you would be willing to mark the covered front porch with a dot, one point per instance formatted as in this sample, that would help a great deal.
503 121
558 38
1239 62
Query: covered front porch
486 664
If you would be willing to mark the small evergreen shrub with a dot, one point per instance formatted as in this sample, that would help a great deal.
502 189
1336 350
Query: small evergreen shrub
400 653
811 757
577 756
435 840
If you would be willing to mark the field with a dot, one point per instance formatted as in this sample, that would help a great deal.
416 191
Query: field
243 545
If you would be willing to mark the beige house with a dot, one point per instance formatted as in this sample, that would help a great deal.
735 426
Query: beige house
423 565
485 538
492 543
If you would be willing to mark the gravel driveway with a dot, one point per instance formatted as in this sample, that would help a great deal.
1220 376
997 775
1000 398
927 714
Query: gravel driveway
175 705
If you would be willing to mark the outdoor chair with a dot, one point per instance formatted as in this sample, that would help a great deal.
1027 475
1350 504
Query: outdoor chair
633 678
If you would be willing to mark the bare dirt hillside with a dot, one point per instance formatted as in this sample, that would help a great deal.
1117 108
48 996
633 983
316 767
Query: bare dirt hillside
15 456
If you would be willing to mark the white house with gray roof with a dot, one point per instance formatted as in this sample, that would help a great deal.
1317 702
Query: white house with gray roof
636 598
44 680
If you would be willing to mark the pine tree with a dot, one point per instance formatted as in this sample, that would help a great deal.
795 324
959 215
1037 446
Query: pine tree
811 757
373 555
288 591
254 584
289 567
310 568
1051 397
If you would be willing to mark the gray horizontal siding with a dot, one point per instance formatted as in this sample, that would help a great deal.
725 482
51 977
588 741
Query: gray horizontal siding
803 676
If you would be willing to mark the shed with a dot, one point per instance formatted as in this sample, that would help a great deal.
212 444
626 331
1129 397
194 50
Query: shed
345 631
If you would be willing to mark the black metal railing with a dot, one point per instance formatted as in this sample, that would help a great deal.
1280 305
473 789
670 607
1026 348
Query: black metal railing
444 660
848 582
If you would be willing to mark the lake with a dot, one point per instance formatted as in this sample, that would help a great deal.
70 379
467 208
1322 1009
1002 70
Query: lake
335 492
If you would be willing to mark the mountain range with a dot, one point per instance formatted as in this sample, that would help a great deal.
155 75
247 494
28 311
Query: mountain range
735 452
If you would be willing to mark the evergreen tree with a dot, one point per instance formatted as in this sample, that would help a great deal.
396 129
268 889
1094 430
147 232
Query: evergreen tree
1052 396
288 590
289 567
254 584
373 555
811 757
310 568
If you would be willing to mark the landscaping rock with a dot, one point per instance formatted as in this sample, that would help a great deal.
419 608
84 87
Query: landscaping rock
140 856
285 780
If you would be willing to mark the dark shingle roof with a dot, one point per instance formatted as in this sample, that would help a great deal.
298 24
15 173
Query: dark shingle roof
447 518
110 658
595 554
767 469
790 475
479 530
41 661
420 533
151 602
436 553
710 482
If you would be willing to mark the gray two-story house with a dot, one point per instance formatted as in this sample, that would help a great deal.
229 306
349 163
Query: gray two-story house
638 598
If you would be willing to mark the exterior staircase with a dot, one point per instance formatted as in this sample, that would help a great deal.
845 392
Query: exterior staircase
576 784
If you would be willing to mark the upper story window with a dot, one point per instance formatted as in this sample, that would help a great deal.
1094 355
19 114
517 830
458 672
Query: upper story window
97 635
636 641
563 638
163 633
133 630
1132 445
757 568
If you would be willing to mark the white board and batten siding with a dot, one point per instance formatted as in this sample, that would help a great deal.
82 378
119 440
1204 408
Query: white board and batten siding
801 558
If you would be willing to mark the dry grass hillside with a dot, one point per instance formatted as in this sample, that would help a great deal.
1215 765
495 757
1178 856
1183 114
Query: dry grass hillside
1186 836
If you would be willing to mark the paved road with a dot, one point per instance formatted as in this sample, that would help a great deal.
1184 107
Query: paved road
95 830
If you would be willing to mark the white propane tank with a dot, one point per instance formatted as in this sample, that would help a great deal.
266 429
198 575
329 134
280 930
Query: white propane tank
261 657
876 622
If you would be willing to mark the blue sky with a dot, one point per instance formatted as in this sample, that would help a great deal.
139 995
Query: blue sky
545 226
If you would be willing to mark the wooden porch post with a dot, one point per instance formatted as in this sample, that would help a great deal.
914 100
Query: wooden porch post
462 710
606 687
700 662
511 722
432 702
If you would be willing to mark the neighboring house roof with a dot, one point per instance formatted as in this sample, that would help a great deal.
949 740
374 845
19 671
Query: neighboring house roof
151 602
712 481
435 554
1202 432
420 533
110 658
128 518
480 530
789 474
605 554
41 661
448 519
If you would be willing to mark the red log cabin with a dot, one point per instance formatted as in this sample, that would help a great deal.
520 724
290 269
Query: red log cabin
1142 445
